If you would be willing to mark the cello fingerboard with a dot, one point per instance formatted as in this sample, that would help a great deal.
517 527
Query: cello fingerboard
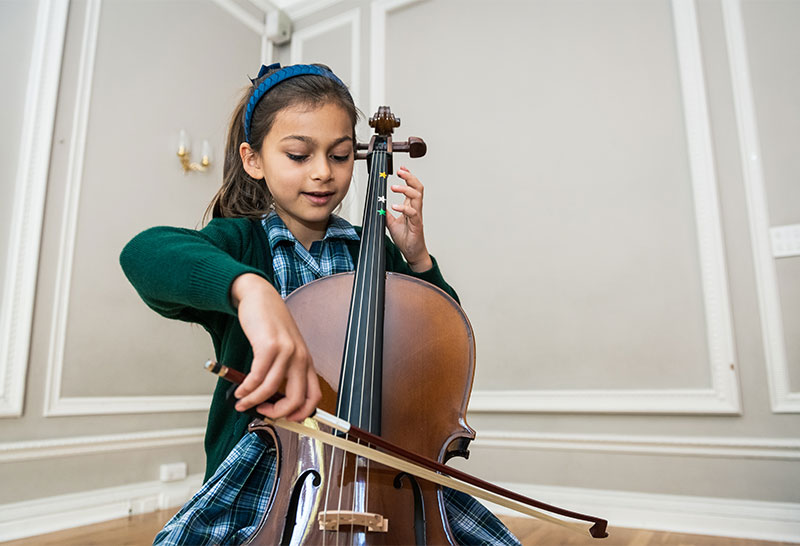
362 364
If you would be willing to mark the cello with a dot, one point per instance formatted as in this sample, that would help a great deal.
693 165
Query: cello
395 358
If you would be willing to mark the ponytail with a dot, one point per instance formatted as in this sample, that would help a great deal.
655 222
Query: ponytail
241 195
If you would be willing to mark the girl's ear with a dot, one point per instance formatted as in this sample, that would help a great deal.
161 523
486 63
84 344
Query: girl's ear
250 161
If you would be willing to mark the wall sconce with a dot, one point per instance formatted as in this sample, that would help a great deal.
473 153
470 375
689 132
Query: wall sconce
184 154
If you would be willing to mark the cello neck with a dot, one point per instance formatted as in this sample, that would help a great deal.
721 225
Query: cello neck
362 364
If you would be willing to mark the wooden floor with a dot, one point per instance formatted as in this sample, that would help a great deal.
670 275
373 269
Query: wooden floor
140 530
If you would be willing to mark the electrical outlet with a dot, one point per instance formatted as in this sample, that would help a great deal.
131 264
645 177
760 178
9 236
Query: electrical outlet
172 472
785 240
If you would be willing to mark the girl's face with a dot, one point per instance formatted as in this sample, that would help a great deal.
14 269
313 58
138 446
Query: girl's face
307 162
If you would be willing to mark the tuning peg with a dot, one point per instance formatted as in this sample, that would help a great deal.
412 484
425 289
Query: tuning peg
415 147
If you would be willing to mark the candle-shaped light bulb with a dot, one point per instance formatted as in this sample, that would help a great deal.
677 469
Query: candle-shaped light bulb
206 157
183 143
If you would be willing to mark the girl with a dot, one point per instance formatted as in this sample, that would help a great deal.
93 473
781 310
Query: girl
288 165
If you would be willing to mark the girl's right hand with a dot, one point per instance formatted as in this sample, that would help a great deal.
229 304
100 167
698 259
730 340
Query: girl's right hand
279 353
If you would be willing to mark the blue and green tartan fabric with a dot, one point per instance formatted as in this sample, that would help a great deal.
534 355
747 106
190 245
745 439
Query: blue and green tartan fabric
294 266
228 508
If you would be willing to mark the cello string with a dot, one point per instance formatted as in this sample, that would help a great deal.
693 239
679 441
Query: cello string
340 401
376 278
371 280
369 289
340 410
377 156
374 308
365 290
366 252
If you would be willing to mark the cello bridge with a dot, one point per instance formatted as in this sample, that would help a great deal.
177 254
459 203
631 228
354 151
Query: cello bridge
332 520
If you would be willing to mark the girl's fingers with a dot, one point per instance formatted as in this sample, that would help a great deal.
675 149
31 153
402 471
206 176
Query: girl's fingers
295 393
408 191
280 356
262 361
270 383
410 179
313 397
409 212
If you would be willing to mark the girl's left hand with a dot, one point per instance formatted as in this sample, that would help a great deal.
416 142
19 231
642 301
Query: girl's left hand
406 230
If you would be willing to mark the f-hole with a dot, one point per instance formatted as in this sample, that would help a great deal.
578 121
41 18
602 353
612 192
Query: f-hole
291 511
419 506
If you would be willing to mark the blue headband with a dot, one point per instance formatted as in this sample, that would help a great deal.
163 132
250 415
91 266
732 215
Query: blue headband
275 79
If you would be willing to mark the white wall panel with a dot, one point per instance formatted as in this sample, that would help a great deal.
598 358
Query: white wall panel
28 135
775 307
595 270
141 362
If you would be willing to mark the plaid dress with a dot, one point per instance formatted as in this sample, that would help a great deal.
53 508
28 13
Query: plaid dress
229 506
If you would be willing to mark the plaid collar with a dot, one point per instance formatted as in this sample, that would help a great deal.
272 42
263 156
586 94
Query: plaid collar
294 265
278 233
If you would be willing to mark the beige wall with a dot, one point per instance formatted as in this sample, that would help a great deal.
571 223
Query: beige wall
587 194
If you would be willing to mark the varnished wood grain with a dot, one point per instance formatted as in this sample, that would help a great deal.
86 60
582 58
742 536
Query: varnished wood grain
140 530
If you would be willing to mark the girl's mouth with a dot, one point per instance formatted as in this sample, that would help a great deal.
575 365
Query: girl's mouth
318 197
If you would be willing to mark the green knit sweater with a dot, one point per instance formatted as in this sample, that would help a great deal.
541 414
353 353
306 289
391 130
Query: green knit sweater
186 275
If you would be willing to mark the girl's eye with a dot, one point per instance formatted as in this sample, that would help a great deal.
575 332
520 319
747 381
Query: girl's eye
296 157
340 158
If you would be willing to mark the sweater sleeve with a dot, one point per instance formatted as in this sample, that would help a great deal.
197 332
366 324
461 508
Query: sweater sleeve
186 274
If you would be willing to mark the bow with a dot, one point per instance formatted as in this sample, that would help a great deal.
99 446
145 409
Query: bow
412 463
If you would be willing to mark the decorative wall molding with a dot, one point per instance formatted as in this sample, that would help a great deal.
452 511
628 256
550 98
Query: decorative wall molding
257 25
379 10
87 445
714 275
352 206
27 212
267 50
688 446
723 396
351 19
55 404
782 398
777 521
628 401
31 518
295 9
298 10
114 405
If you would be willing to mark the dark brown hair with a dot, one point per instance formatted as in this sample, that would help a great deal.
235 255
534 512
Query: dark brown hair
241 195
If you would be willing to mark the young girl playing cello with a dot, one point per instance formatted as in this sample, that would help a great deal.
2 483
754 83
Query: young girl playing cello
288 165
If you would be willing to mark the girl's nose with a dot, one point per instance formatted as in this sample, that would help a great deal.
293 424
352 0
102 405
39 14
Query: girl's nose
321 169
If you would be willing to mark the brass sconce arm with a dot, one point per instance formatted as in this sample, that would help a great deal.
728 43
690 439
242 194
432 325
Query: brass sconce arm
184 154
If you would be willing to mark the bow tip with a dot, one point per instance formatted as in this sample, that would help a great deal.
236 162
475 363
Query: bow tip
598 530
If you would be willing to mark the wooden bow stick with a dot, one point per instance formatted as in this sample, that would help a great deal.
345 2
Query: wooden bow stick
413 464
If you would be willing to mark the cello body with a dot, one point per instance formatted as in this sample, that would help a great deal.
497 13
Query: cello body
429 359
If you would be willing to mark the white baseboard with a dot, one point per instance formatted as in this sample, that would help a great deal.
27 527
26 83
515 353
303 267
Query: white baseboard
36 517
778 521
